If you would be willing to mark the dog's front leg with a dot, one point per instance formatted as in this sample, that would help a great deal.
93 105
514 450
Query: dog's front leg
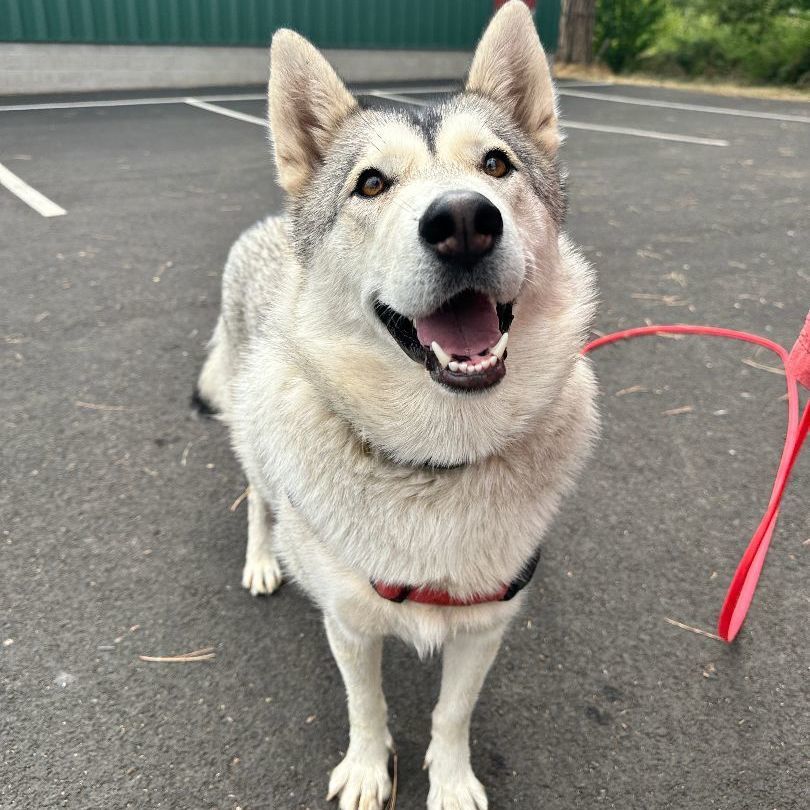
467 659
261 574
362 778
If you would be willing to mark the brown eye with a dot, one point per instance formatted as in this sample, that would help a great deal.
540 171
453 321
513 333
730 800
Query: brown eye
370 184
496 164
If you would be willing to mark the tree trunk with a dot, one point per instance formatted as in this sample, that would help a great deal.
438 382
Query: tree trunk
576 31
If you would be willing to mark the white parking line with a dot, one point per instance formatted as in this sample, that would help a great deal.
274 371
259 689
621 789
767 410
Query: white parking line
638 133
145 102
215 108
410 90
677 105
400 97
126 102
403 92
644 133
30 196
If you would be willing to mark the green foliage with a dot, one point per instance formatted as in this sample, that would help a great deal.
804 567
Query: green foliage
752 40
749 46
783 54
625 29
750 12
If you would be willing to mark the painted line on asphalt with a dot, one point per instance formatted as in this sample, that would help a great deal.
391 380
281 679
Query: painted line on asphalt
408 90
29 195
400 97
677 105
644 133
215 108
145 102
637 133
126 102
403 92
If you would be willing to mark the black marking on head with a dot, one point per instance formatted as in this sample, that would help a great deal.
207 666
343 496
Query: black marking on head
427 121
201 405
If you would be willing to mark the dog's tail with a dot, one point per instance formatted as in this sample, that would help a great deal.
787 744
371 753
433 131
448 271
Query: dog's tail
211 395
201 406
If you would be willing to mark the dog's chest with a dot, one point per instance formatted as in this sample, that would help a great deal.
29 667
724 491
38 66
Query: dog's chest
420 529
466 530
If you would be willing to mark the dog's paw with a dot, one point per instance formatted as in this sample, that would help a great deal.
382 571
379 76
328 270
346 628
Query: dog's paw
453 785
361 780
261 574
461 792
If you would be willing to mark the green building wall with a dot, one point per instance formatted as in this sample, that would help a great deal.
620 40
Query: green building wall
423 24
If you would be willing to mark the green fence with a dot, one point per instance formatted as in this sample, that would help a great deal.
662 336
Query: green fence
439 24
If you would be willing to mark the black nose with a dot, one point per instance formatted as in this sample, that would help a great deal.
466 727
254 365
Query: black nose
461 226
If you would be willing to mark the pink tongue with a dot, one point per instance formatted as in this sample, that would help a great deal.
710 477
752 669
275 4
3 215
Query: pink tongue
465 326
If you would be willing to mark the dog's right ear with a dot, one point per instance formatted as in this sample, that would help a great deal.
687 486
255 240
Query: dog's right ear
307 102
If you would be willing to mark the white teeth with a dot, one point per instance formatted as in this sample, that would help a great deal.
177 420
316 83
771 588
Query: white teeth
500 347
441 354
464 367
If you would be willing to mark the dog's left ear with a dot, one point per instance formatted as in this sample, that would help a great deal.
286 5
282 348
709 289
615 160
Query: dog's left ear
510 67
307 102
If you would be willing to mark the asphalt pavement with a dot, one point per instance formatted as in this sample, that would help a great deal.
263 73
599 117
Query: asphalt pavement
118 541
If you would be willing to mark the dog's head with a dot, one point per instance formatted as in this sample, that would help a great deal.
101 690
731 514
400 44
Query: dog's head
421 233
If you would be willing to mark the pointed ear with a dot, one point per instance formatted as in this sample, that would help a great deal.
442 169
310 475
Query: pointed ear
307 103
510 68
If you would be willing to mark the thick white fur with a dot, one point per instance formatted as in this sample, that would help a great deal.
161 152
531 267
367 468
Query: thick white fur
332 422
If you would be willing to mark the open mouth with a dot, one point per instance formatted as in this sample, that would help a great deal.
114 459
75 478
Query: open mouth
462 343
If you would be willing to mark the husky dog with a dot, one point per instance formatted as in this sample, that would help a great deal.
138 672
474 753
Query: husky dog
397 359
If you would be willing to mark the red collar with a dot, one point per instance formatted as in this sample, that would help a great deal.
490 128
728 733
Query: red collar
426 595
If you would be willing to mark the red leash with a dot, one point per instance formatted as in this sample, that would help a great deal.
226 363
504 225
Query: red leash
797 371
